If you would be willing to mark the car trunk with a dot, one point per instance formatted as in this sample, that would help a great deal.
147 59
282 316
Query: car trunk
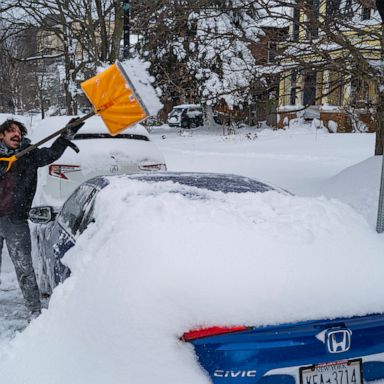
277 354
100 156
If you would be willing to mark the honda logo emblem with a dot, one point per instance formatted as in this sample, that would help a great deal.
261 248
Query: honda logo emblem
338 340
114 169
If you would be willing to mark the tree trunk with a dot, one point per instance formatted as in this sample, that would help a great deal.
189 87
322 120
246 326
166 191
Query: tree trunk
117 33
104 41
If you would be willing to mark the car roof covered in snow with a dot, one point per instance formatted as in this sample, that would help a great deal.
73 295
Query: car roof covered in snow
92 125
227 183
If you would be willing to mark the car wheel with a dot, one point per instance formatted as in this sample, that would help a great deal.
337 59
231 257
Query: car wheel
192 124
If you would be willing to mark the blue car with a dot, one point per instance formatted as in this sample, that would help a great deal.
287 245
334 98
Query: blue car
57 229
340 351
323 351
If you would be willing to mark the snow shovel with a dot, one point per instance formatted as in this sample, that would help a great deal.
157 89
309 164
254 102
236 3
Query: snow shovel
112 96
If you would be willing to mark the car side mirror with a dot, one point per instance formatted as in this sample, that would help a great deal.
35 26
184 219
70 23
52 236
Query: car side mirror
41 215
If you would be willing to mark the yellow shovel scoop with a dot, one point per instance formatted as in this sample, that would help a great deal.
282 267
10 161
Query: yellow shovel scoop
113 97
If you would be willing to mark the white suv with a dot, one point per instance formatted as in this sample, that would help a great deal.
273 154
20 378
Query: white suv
132 151
186 116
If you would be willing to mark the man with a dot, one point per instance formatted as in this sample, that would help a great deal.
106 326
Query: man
17 190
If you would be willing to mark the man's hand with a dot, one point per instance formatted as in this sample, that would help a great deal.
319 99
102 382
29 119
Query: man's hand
70 132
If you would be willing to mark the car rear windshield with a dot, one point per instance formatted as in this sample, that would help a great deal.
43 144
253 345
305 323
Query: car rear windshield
176 111
132 136
228 183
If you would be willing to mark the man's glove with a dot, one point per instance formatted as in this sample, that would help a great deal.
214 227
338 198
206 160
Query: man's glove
70 132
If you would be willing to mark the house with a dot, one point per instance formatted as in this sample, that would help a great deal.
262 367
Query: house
263 92
328 64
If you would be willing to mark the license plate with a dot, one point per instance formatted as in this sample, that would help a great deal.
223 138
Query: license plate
340 372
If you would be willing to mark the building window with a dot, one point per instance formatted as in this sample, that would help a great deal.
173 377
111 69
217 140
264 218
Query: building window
348 9
365 13
359 96
313 19
272 51
332 7
296 24
309 91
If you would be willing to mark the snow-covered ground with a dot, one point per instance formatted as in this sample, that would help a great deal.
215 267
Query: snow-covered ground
304 160
116 313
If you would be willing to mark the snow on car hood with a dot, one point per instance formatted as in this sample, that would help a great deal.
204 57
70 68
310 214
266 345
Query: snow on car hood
157 263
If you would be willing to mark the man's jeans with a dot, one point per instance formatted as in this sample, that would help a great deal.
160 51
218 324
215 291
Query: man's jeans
17 236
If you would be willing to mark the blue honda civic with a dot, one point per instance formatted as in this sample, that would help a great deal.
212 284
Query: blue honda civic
338 351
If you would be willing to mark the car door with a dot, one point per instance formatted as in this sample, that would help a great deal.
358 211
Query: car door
68 226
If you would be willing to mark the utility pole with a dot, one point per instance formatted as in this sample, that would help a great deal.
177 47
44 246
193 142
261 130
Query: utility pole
380 210
126 10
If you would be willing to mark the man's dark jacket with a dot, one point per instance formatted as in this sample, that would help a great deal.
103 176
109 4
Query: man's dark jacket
18 185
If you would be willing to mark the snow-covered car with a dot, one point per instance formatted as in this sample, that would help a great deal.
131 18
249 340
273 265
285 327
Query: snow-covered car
100 153
212 278
58 228
186 116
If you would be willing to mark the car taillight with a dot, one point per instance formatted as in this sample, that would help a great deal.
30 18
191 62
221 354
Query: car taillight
59 170
153 167
211 331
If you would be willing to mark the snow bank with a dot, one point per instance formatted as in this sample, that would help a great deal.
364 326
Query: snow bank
358 186
156 264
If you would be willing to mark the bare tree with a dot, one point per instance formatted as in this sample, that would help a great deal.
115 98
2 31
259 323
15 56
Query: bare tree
83 34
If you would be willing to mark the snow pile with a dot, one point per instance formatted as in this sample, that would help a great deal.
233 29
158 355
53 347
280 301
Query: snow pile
156 264
358 186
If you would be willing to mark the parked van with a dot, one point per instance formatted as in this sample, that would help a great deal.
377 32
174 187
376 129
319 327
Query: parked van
186 116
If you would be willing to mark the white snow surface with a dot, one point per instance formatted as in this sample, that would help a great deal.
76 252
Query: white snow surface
358 186
156 264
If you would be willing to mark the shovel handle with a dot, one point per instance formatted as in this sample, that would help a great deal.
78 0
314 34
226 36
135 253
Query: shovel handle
54 134
12 159
9 160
